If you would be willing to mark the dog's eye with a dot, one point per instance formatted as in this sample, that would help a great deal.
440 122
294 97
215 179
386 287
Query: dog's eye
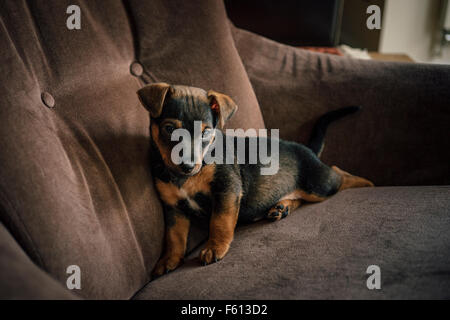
206 134
169 128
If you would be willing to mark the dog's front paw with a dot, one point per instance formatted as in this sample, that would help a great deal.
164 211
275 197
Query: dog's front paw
213 252
165 265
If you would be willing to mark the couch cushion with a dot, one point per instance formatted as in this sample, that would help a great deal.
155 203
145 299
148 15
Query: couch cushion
395 140
323 251
75 184
20 278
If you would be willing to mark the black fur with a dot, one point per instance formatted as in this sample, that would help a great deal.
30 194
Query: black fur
316 142
299 168
224 194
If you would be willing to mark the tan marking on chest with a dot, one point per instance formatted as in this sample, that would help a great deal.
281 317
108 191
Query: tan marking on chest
171 194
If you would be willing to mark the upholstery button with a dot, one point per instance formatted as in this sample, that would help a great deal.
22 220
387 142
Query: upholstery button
136 69
48 99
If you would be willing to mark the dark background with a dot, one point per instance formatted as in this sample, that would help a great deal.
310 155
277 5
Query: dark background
321 23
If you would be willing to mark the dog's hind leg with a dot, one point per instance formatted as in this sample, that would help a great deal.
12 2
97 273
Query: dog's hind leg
336 180
351 181
282 209
291 202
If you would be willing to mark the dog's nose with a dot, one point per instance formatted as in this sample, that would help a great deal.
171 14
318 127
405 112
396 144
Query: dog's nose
187 167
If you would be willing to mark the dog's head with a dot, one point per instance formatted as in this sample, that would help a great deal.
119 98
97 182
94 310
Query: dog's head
178 107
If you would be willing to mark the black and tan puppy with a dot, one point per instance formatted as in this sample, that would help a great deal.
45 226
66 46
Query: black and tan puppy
227 193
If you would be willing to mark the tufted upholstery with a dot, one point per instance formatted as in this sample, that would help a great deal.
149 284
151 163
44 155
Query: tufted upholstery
75 184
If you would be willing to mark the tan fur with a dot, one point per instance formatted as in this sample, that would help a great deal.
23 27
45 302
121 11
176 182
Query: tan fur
289 205
351 181
201 181
293 199
300 194
171 194
221 231
176 240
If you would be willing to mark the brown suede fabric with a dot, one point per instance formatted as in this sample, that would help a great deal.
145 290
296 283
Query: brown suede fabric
75 184
399 138
322 251
20 278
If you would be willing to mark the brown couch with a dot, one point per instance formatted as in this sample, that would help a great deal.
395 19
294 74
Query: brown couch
75 183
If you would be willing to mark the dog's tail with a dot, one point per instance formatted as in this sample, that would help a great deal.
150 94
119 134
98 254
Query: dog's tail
316 142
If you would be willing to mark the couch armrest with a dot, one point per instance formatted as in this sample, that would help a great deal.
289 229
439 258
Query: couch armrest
20 278
399 138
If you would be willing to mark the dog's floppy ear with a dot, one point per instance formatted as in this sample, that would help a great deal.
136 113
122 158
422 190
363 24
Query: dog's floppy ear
222 105
152 97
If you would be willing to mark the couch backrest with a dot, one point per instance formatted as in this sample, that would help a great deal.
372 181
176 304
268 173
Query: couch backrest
75 184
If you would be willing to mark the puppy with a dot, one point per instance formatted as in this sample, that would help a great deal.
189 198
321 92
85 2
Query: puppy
227 193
